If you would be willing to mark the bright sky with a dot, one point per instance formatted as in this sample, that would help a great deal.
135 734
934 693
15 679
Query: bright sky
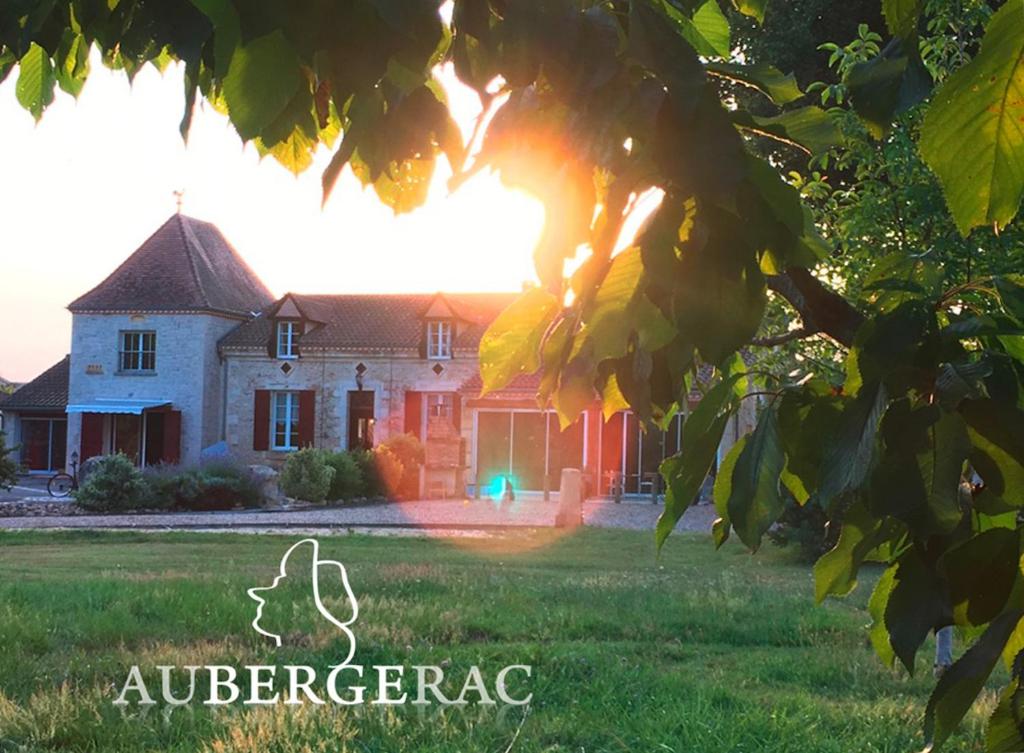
83 188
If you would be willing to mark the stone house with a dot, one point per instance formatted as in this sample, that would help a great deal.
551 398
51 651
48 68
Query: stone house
182 348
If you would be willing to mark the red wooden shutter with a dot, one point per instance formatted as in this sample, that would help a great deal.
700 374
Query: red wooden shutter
414 413
172 437
261 421
307 417
457 412
92 436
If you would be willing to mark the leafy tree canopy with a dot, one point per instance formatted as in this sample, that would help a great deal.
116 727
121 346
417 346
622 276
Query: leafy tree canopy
916 443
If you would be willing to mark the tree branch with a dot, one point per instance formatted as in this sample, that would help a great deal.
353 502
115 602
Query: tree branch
783 338
821 309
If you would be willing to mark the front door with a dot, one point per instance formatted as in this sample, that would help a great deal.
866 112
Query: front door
360 420
127 435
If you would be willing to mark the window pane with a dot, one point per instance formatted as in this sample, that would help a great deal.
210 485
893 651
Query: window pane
528 451
492 452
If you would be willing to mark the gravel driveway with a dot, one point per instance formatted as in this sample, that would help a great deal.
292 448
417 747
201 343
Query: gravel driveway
432 514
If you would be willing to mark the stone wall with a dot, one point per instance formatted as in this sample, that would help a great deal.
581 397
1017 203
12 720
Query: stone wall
332 376
188 370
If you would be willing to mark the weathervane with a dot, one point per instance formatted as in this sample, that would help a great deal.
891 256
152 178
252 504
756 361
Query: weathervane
179 197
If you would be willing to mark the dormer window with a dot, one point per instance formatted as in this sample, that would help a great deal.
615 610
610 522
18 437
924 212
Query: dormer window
439 339
288 339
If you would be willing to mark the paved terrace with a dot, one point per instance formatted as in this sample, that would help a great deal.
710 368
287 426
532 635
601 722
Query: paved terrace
426 514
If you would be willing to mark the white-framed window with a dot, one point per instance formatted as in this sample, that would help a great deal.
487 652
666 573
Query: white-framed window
284 421
138 351
439 405
439 339
288 339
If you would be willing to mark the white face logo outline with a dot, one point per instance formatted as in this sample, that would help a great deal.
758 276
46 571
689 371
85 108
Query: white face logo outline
317 564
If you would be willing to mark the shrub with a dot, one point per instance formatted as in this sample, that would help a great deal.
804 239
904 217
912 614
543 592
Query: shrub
224 485
371 484
390 472
8 468
306 475
381 470
114 484
409 452
348 481
214 486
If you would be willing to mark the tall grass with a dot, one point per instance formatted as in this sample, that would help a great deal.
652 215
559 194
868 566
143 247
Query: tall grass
697 651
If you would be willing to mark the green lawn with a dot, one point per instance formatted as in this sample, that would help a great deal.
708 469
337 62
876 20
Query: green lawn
700 651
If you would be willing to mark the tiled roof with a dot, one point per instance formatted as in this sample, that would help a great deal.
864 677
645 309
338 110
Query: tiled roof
186 265
523 384
528 384
48 391
374 322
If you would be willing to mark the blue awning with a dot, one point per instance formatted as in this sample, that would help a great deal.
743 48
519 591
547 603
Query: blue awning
117 405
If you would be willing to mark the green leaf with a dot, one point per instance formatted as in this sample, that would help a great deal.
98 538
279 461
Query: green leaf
780 196
835 572
364 113
755 501
606 324
612 399
981 325
896 347
973 133
916 606
1004 733
720 290
261 80
227 32
996 431
981 573
779 87
72 60
685 471
879 634
658 40
808 128
576 388
36 80
653 330
960 684
723 491
753 8
965 379
901 16
711 24
888 85
917 478
295 153
898 278
1011 295
404 185
511 345
850 449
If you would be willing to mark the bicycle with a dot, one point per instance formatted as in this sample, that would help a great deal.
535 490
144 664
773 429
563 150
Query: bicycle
61 484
